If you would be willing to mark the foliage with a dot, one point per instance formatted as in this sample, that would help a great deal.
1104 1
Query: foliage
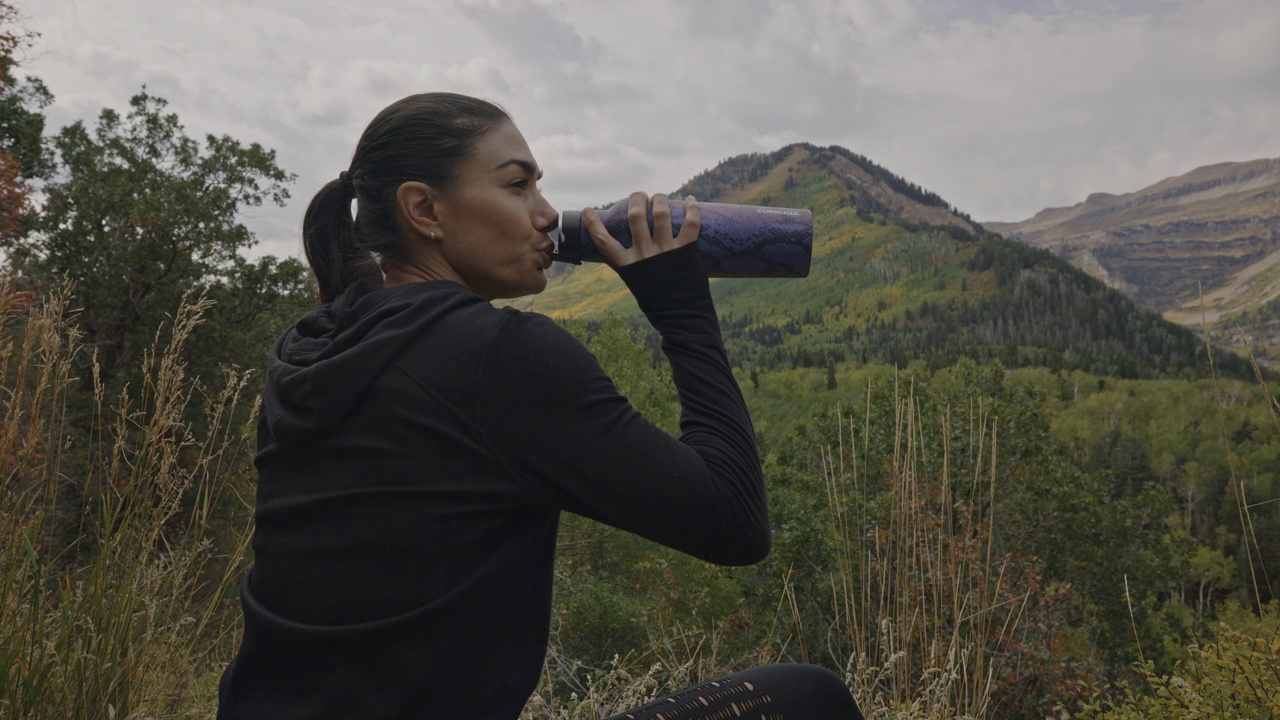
1212 447
924 568
1235 675
23 156
136 215
1165 487
1081 323
925 296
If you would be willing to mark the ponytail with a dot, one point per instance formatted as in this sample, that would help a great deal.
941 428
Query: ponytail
330 241
421 138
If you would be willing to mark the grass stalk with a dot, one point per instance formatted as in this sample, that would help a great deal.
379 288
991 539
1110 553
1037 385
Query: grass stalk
114 585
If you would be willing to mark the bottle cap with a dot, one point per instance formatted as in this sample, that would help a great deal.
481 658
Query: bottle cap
568 238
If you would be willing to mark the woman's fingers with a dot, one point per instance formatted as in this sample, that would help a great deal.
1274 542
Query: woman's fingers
645 242
638 219
662 235
608 246
692 222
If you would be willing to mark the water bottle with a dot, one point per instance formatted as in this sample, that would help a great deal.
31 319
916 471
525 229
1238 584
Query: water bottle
734 241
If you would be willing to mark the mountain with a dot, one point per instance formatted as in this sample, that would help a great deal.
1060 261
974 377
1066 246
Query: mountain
899 276
1213 232
868 186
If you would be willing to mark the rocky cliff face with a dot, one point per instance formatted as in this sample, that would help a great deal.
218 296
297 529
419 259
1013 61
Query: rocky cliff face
1213 233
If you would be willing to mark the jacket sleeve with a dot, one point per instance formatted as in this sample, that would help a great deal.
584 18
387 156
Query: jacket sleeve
570 439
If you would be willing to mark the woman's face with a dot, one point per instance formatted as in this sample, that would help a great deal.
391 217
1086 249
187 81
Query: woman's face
494 220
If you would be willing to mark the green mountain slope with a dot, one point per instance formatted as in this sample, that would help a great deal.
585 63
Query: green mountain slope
899 276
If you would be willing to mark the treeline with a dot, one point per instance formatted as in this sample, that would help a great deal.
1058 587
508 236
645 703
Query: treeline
1041 312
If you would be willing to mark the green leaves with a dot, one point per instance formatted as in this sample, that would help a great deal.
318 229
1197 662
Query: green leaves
1233 676
138 213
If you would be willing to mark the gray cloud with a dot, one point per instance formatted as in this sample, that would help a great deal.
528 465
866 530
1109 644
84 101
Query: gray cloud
1003 108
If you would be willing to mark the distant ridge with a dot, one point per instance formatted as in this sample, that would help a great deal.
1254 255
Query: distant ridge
1214 230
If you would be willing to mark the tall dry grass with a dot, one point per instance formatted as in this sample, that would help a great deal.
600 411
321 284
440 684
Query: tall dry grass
111 587
920 594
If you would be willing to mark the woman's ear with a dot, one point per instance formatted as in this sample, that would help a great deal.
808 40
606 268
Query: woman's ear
417 207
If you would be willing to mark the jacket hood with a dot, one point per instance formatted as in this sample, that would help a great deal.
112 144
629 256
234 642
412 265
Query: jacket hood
322 366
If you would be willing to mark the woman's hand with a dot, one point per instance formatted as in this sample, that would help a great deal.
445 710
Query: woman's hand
644 244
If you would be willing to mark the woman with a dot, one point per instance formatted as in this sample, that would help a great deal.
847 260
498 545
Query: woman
416 444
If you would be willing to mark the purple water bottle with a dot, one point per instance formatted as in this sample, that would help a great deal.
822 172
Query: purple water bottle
734 241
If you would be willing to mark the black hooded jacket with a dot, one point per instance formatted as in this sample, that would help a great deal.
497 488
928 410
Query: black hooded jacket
416 445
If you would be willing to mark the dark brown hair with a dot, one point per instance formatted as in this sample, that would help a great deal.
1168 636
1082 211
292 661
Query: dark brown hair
423 138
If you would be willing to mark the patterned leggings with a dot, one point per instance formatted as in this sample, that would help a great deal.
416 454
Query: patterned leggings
771 692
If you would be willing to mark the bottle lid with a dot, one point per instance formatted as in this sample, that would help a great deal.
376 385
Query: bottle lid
568 238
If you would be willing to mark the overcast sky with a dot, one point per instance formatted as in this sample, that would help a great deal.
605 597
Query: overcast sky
1002 107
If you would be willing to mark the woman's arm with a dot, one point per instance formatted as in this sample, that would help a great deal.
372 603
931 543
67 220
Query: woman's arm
560 425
